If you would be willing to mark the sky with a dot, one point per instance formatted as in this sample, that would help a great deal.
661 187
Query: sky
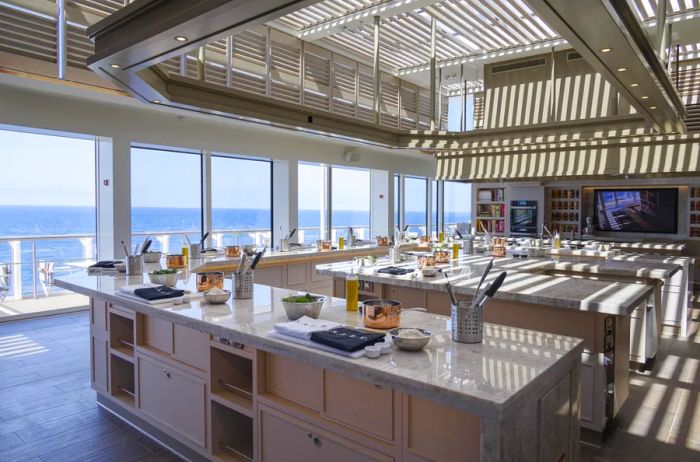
46 170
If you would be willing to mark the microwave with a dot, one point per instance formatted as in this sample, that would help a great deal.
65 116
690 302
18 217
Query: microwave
523 218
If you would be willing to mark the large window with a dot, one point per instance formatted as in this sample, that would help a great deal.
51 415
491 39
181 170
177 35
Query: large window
241 201
397 201
416 204
313 202
47 217
166 197
350 205
458 203
434 208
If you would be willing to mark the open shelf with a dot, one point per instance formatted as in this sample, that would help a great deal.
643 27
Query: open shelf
694 213
122 383
491 210
231 433
232 381
564 210
121 335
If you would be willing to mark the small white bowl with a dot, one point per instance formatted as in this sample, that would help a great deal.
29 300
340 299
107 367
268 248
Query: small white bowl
152 257
373 351
121 267
384 346
430 271
217 299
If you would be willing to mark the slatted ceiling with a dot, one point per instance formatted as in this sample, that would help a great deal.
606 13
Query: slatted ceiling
100 7
688 78
324 11
78 46
171 65
646 9
27 35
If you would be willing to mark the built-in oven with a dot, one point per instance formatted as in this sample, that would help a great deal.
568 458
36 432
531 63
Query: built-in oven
523 218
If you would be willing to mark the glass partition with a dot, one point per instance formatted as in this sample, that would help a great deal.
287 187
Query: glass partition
313 202
416 205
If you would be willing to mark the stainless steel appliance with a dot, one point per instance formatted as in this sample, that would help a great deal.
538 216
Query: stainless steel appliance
523 218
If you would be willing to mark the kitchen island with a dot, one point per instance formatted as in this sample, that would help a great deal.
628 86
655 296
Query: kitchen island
599 312
209 382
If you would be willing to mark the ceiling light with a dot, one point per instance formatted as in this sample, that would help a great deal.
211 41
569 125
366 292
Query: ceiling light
622 69
634 85
115 66
180 38
645 97
156 101
652 107
605 50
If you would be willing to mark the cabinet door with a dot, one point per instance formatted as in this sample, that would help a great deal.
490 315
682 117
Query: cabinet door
99 356
98 314
297 274
287 439
271 276
408 296
174 398
158 334
191 347
295 381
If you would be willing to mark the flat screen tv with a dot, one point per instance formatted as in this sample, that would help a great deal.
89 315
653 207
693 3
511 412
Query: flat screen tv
644 210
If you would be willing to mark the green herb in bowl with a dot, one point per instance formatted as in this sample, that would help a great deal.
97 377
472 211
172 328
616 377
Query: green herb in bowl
306 298
165 271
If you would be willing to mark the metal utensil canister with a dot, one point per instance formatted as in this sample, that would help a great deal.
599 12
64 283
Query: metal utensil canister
195 250
134 265
467 322
284 245
243 285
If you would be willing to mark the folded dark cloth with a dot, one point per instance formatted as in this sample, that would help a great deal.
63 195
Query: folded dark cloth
158 293
394 271
105 264
346 338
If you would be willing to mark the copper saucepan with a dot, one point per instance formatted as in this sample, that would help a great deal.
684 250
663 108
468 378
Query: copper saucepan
381 313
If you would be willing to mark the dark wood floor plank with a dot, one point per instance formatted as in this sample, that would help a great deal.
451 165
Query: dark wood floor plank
65 411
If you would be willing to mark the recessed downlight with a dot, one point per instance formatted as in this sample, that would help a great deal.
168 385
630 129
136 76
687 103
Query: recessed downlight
645 97
652 107
156 101
180 38
634 85
114 66
605 50
621 69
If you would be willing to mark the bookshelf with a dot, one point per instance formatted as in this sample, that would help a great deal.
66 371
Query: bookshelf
694 212
491 210
565 210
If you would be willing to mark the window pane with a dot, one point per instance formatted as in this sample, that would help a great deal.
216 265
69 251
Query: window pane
397 195
166 197
241 201
458 203
313 203
47 189
434 224
350 202
416 205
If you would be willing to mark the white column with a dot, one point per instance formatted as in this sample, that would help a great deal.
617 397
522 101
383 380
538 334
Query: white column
201 63
207 224
113 197
662 34
433 72
376 71
285 192
380 185
61 38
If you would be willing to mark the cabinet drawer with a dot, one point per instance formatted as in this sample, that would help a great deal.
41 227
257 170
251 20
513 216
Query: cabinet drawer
297 274
158 334
271 276
191 347
174 398
362 405
98 314
294 381
99 356
287 439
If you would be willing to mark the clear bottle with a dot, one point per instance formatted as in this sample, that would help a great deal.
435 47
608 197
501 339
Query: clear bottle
351 291
341 243
556 242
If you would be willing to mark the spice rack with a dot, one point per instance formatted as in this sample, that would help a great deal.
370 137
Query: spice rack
694 212
565 210
491 210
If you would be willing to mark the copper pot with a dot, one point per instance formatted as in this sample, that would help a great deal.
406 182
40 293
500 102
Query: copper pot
382 240
233 250
381 313
210 279
175 261
442 256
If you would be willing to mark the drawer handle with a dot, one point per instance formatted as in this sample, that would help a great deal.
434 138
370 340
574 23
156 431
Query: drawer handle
167 374
378 387
309 435
317 441
238 345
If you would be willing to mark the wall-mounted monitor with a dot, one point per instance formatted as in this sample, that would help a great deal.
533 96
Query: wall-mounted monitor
642 210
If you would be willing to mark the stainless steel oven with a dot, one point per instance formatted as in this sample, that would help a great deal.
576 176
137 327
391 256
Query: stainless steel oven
523 218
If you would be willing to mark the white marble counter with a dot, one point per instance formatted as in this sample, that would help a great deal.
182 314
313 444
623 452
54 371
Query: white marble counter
525 283
481 378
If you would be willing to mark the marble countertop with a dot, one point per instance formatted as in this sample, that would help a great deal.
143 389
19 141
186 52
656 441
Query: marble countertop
526 282
671 247
480 378
629 268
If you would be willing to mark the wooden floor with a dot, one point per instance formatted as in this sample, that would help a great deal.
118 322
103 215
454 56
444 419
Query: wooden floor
47 408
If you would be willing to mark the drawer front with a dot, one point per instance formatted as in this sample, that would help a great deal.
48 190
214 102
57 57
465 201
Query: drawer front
287 439
296 274
362 405
98 313
158 334
315 277
191 347
271 276
294 381
99 355
174 398
408 296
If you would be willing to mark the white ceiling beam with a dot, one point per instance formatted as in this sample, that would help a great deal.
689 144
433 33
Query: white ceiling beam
383 10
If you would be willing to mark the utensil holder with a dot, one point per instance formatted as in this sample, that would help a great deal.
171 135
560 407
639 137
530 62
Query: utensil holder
243 285
467 323
284 245
134 265
195 251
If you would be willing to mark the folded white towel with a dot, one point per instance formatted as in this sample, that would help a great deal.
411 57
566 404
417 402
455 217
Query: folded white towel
303 327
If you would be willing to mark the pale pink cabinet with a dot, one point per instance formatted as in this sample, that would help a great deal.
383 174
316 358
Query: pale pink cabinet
99 357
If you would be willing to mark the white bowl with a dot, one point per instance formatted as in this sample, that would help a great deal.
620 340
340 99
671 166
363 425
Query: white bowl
120 267
410 344
217 299
169 279
297 310
430 271
373 351
152 257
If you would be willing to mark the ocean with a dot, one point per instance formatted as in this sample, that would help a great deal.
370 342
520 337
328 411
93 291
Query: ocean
17 221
